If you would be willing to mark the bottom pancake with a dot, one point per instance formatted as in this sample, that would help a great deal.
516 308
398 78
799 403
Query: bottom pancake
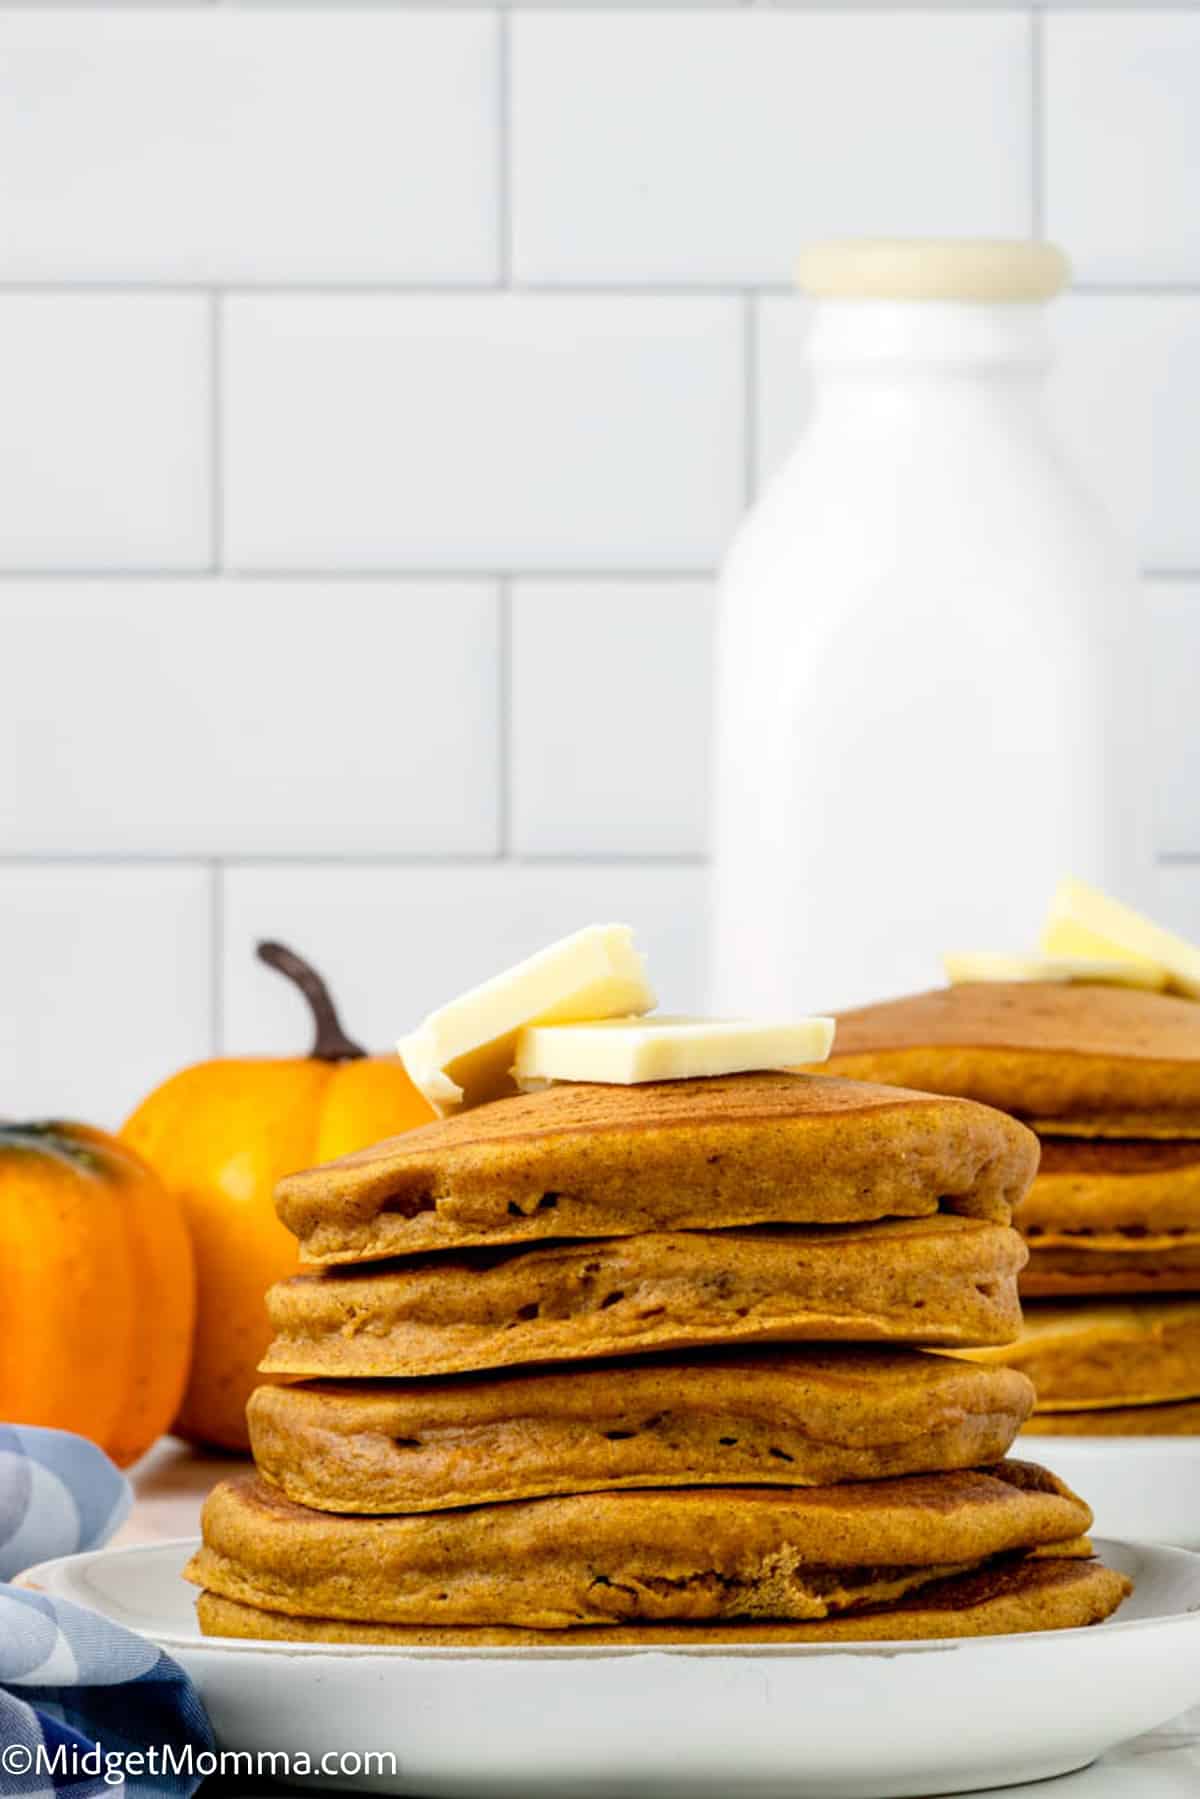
1179 1419
1005 1598
692 1553
1096 1355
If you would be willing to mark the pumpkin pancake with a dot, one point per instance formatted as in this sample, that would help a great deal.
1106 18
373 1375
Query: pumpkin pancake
779 1417
940 1280
1072 1060
1165 1264
598 1558
1006 1597
1179 1419
1099 1356
1105 1186
580 1160
1105 1216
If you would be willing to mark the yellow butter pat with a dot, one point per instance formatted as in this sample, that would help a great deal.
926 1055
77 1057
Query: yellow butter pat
463 1053
1083 922
997 965
624 1051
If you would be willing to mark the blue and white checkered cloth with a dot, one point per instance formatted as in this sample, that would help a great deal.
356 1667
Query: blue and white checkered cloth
81 1698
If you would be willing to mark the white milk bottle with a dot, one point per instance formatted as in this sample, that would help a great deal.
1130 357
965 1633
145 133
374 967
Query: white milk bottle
927 648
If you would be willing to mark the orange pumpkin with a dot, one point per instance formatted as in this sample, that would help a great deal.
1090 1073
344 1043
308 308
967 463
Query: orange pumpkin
221 1134
99 1290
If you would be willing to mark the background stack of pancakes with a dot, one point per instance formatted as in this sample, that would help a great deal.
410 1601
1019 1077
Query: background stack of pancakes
554 1401
1109 1077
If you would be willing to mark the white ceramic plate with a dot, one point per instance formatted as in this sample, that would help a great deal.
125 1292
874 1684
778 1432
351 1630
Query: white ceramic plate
1146 1489
867 1721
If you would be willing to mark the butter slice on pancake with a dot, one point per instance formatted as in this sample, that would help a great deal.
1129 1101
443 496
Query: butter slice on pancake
939 1281
778 1417
1071 1060
1102 1355
1002 1599
604 1161
599 1558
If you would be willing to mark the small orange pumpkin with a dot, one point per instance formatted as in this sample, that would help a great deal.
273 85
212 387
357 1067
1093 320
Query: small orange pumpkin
99 1290
221 1134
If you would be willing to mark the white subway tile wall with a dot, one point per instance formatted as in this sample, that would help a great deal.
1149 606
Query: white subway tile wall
611 703
403 938
656 147
105 430
215 718
107 974
237 147
380 386
450 431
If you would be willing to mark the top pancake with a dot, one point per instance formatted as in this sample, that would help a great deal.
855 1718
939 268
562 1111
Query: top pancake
603 1161
1073 1060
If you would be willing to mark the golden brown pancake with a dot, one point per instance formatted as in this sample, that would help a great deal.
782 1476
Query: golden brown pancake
660 1554
1074 1060
1010 1595
1096 1355
941 1280
779 1417
603 1161
1152 1266
1179 1419
1106 1186
1105 1216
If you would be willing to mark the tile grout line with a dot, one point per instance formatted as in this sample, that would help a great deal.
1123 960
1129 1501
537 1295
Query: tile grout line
504 755
220 866
750 399
504 209
484 575
216 425
625 288
1037 126
216 950
414 575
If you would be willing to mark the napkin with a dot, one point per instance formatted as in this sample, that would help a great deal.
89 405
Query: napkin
58 1494
87 1708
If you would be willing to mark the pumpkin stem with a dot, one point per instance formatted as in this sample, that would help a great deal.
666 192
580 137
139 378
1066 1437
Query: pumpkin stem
331 1043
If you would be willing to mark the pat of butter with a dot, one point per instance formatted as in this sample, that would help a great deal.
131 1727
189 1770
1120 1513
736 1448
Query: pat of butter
996 965
1082 922
463 1053
623 1051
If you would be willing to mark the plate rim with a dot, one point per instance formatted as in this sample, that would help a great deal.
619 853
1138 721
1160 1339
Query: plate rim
884 1647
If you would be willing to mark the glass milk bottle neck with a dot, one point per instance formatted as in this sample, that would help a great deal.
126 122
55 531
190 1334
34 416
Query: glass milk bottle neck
928 317
853 340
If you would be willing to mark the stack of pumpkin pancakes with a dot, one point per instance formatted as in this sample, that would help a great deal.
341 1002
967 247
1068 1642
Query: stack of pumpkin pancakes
1109 1077
620 1364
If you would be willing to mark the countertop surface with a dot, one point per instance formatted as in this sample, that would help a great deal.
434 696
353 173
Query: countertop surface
1165 1764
